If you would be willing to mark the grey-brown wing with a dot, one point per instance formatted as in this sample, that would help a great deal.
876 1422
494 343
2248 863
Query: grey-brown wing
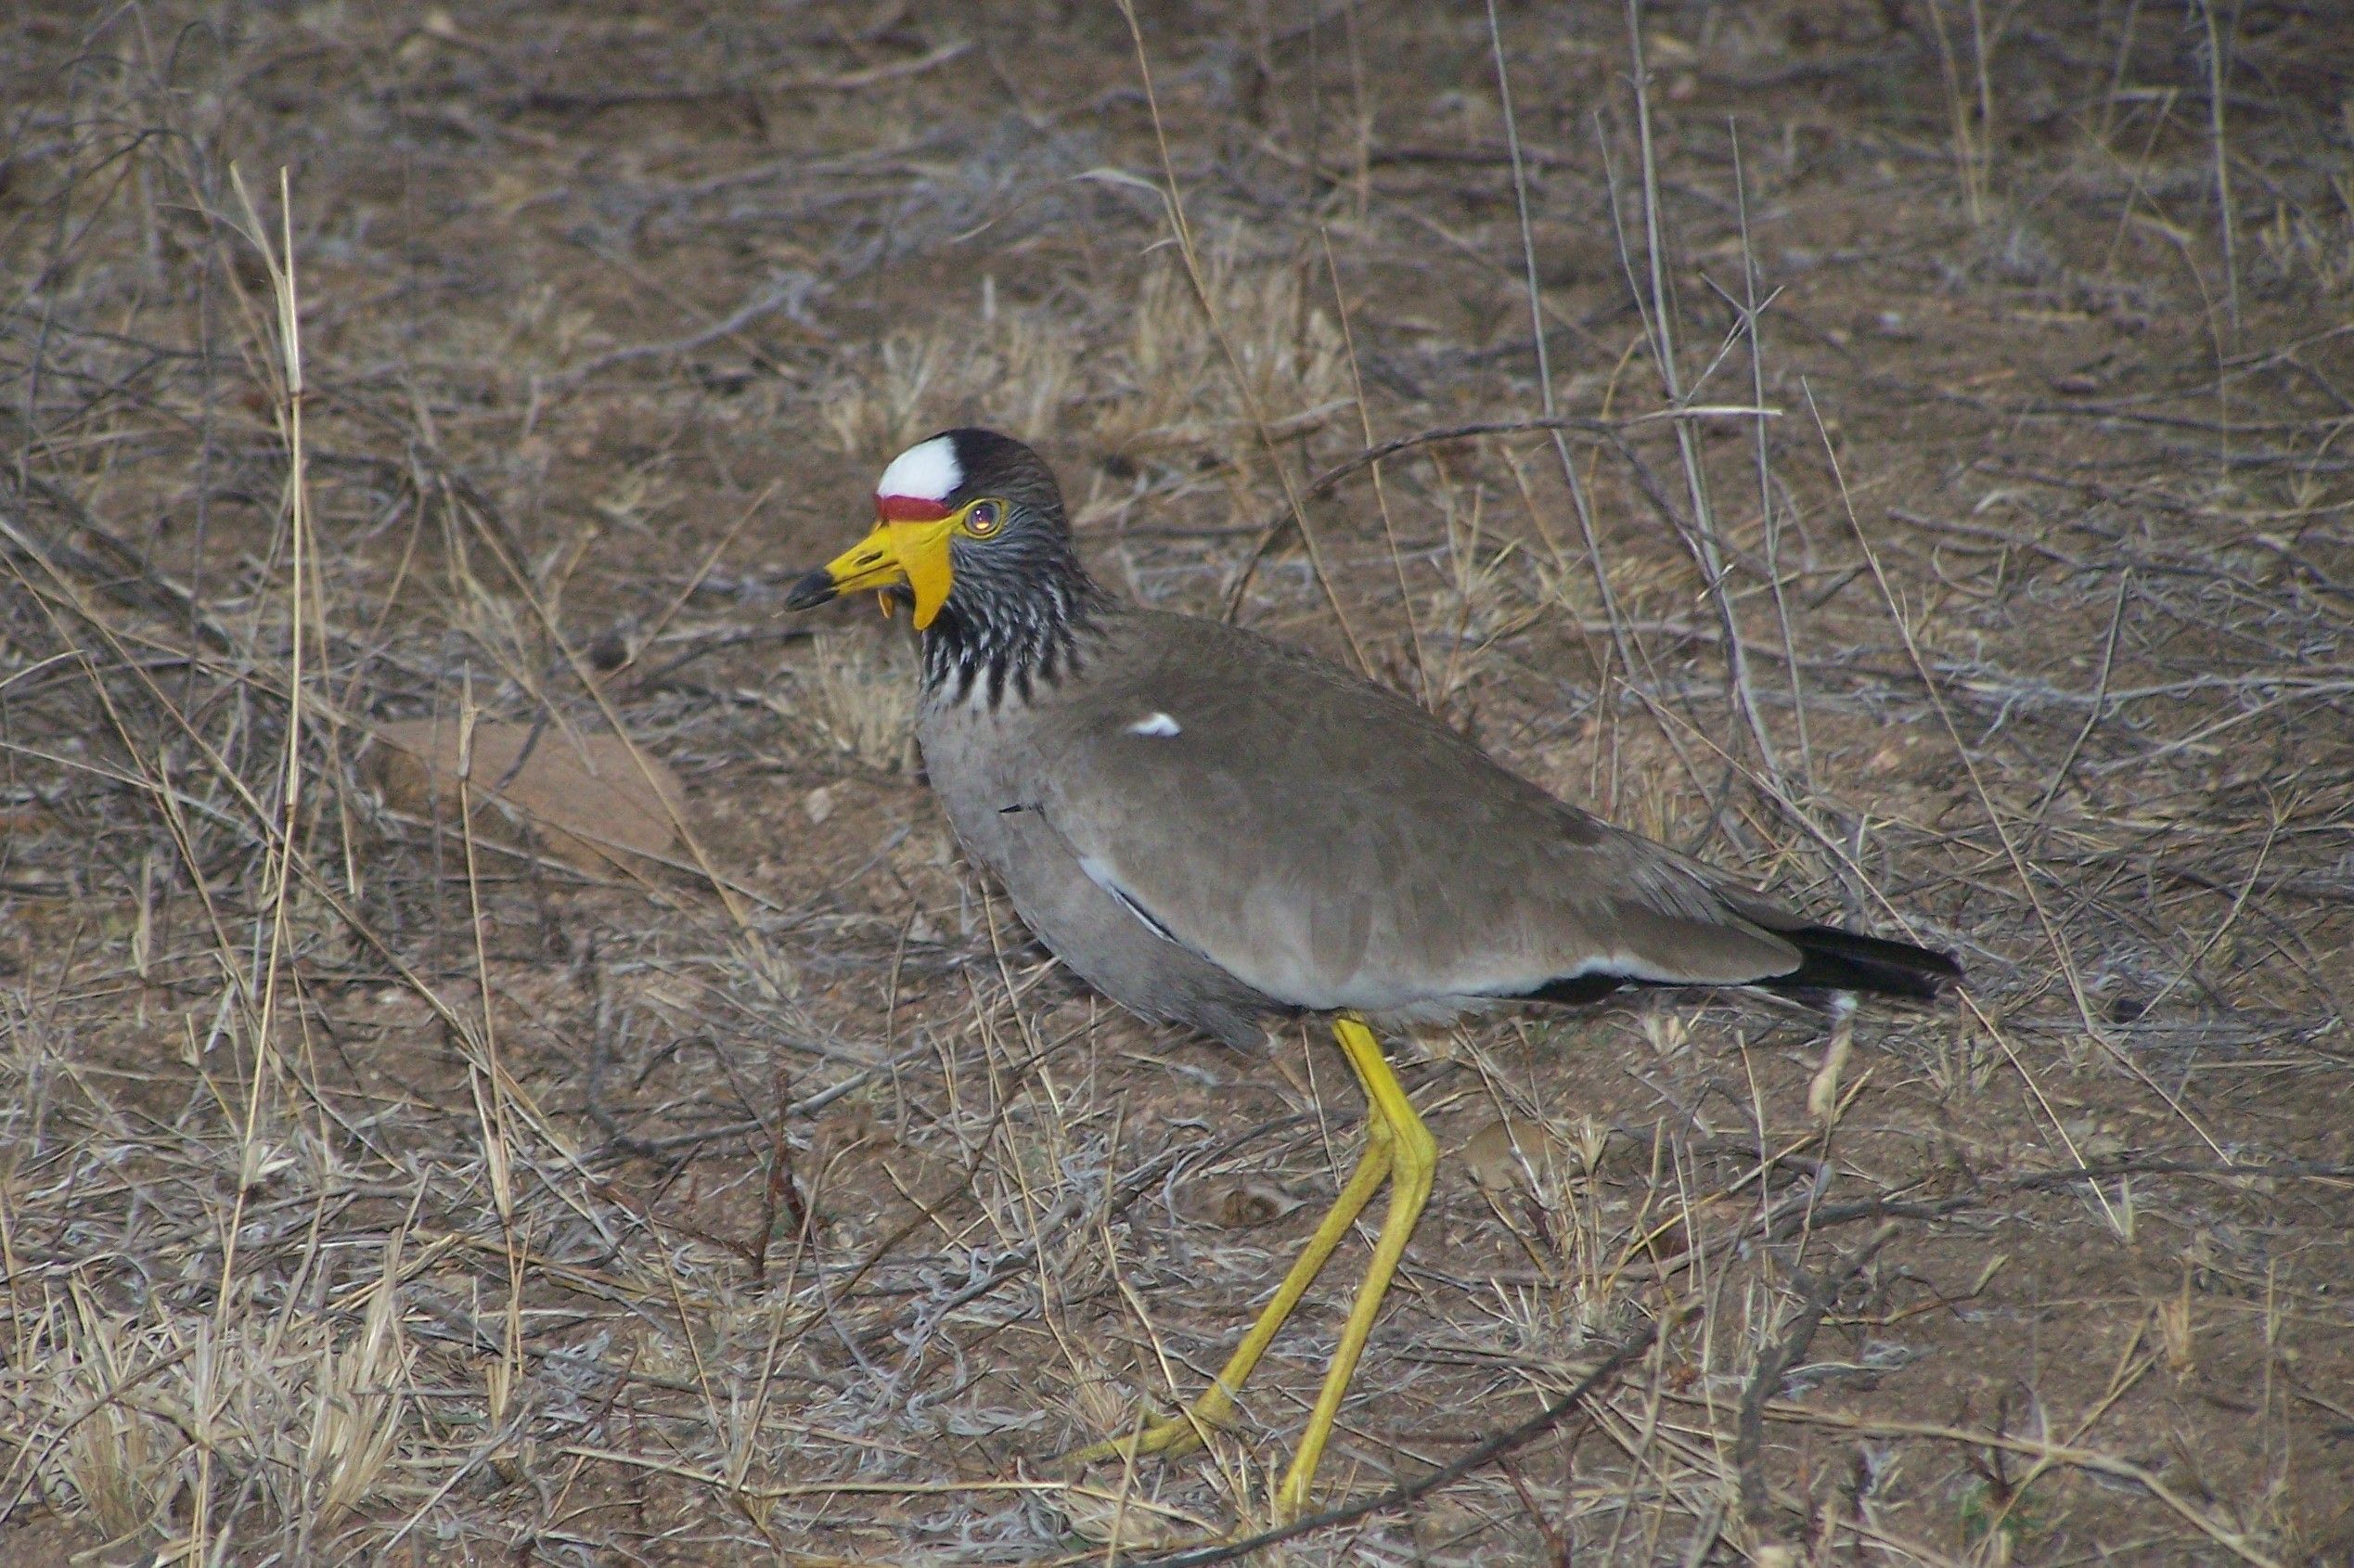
1331 845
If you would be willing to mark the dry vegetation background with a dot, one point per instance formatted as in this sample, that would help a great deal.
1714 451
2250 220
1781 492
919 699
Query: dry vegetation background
378 1184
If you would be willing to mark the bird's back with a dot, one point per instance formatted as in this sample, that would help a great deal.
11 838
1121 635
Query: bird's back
1319 840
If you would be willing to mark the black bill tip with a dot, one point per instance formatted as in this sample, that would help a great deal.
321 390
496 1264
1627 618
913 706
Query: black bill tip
812 591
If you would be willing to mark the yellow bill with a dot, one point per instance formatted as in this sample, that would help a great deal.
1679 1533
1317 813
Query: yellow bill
913 553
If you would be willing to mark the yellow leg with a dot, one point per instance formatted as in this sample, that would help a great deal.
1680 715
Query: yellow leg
1397 1149
1188 1430
1413 1159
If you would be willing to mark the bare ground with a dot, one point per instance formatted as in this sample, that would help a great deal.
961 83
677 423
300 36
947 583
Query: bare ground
375 1184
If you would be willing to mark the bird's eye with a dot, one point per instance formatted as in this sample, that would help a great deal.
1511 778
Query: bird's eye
982 518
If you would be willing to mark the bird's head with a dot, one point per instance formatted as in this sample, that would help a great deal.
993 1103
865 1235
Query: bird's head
965 518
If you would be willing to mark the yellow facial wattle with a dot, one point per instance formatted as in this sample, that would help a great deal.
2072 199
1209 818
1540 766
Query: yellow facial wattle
913 553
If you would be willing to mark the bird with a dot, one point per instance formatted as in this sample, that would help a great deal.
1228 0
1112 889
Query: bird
1214 828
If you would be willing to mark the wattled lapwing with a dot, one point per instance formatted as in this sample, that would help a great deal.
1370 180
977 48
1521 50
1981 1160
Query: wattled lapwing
1211 828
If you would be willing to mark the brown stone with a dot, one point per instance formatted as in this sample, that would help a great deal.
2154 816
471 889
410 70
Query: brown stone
584 796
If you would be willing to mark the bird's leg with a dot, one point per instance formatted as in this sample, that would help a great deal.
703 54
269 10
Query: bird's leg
1413 1156
1189 1429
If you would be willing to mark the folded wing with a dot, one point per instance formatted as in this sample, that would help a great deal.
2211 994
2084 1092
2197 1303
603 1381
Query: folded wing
1332 845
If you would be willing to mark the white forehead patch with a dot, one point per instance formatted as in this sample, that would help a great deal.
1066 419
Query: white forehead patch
926 471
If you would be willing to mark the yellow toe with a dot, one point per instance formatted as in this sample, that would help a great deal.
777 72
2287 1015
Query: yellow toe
1173 1437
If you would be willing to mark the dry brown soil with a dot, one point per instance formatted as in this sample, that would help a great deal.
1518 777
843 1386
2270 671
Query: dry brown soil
376 1189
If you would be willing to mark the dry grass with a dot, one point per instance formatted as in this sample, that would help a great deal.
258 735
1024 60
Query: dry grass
1173 389
860 696
369 1191
1012 369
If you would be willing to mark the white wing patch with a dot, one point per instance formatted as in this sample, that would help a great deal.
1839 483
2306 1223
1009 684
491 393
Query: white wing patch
926 471
1156 724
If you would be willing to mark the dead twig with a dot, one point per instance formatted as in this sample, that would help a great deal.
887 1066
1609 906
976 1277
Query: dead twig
1509 1440
1816 1293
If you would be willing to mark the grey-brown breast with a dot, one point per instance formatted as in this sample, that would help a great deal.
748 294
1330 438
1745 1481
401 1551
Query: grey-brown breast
1206 813
987 770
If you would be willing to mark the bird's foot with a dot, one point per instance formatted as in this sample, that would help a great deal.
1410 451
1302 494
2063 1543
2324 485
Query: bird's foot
1171 1438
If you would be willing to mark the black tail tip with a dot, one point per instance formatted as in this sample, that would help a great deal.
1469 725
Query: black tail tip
1833 959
